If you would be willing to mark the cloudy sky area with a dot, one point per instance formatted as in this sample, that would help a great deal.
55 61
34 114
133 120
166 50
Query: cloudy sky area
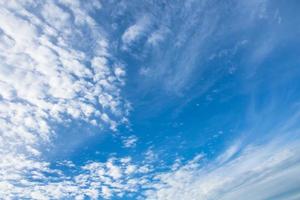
154 99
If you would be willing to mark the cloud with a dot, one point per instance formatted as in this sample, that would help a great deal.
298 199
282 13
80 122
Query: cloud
55 68
183 35
157 36
263 163
94 180
135 31
257 172
130 141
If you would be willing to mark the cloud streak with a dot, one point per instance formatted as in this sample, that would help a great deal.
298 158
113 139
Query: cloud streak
135 31
266 166
269 171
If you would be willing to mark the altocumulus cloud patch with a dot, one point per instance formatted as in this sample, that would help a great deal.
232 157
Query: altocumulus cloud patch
48 77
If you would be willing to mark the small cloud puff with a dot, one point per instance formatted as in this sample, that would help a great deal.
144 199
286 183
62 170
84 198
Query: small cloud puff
157 36
135 31
130 141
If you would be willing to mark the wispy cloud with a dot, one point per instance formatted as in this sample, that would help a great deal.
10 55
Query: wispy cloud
135 31
264 163
130 141
183 36
258 172
158 36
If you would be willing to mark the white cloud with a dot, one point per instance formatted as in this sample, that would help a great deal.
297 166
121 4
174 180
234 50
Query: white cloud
130 141
47 77
135 31
257 172
94 180
157 36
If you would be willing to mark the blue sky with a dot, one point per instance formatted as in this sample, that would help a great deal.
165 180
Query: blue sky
159 100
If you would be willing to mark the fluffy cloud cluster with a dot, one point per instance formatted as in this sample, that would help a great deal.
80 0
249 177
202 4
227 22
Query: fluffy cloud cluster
115 177
48 74
55 67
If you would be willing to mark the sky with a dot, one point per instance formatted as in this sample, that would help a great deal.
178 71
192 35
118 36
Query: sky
149 99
